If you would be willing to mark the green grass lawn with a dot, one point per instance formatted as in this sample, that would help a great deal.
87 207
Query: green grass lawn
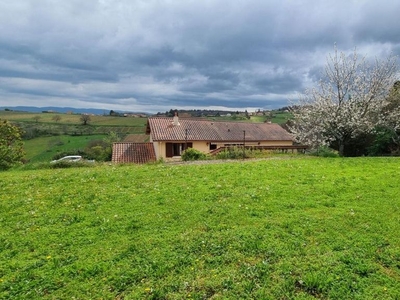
280 117
299 228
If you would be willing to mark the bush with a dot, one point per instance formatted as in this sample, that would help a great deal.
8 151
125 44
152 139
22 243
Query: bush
98 153
11 146
233 153
324 151
193 154
384 142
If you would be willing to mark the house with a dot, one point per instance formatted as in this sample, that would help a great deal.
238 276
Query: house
171 136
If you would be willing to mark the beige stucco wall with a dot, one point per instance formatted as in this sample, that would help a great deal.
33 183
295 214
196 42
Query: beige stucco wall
159 148
203 146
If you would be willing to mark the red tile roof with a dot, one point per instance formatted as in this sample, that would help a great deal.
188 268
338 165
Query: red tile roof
163 129
138 153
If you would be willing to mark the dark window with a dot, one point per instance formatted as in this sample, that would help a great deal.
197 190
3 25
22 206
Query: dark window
175 149
169 148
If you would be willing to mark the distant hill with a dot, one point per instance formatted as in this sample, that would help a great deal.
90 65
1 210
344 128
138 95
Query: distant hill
36 109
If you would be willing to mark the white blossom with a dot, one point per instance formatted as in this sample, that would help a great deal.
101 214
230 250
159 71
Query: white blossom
348 101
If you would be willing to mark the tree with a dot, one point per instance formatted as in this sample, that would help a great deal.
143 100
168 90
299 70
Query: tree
389 132
37 118
347 103
111 138
11 151
394 97
85 119
101 150
56 118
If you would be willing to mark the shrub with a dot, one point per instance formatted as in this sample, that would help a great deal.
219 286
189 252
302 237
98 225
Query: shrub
11 146
385 142
324 151
193 154
233 153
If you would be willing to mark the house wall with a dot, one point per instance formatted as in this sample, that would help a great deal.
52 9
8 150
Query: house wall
203 146
159 148
261 143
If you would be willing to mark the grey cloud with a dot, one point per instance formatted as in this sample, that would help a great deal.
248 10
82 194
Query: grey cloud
195 54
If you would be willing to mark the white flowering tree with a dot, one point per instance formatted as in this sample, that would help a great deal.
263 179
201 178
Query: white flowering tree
392 111
348 101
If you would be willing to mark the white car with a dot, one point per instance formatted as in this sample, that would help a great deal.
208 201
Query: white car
69 158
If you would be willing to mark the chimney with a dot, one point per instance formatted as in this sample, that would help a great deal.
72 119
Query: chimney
176 120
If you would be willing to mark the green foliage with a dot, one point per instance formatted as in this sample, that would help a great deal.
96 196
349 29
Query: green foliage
193 154
273 229
97 149
233 153
11 146
96 152
324 151
238 153
101 150
385 142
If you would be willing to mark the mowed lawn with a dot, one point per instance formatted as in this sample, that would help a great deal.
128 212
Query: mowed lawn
296 228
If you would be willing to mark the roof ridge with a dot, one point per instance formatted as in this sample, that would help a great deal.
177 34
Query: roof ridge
208 120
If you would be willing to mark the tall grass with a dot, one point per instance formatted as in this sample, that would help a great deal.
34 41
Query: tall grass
275 229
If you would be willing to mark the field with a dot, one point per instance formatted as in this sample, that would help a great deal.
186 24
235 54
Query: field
44 136
43 149
68 119
278 117
34 124
284 228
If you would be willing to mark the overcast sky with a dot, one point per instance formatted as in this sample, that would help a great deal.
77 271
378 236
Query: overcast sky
154 55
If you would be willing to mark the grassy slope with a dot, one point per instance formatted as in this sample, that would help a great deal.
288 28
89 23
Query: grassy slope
43 149
277 229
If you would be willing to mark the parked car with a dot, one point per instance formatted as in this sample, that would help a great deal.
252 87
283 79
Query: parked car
69 158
